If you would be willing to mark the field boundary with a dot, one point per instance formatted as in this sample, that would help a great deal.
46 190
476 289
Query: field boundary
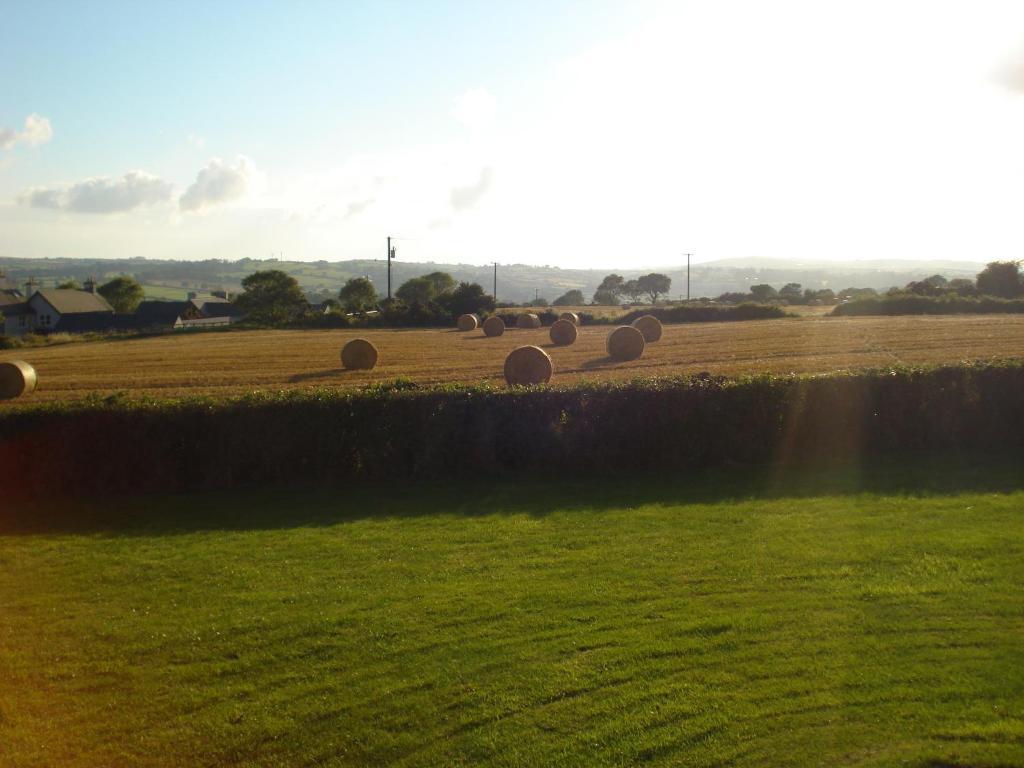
402 431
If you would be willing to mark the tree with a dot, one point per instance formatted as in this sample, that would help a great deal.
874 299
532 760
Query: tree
733 297
573 298
70 285
123 293
605 297
963 287
852 294
1001 278
418 290
612 284
936 285
792 292
763 293
654 285
441 282
271 296
632 289
467 298
358 295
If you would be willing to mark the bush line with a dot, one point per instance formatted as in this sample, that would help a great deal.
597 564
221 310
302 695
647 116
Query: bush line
401 431
905 304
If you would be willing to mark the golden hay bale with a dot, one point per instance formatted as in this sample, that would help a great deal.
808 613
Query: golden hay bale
359 353
528 365
625 343
528 320
649 326
572 317
494 326
563 333
468 322
17 378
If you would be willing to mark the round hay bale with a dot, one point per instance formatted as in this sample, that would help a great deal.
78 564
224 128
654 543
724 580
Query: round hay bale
649 326
17 378
563 333
625 343
494 326
528 365
359 353
528 320
572 317
467 322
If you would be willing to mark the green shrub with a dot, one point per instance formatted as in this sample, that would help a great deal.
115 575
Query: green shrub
403 431
708 313
911 304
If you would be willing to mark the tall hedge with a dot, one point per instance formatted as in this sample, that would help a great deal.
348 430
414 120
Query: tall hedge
332 437
910 304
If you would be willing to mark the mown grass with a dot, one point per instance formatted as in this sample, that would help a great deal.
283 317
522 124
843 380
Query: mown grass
866 617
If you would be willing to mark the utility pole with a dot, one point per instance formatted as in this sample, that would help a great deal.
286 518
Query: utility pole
495 294
391 255
688 275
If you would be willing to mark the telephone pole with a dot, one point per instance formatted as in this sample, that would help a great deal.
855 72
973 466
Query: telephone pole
688 275
391 255
495 294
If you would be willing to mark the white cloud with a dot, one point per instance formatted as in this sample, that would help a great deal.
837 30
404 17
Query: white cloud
463 198
42 197
1011 72
218 183
37 130
102 195
196 140
476 108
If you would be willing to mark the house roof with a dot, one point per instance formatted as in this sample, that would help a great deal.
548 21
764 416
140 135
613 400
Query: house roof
220 309
160 311
214 306
10 297
83 322
70 301
13 310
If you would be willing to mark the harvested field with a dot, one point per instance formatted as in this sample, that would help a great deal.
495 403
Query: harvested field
242 361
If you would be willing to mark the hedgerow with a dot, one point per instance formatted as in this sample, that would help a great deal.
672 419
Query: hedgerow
709 313
402 431
910 304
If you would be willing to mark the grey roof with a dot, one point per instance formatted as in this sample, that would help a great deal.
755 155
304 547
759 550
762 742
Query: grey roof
218 309
8 297
13 310
84 322
160 311
69 301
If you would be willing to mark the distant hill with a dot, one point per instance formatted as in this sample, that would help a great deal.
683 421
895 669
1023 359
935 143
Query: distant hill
516 282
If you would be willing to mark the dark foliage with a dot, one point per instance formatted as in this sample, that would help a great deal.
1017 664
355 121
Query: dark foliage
689 313
912 304
403 432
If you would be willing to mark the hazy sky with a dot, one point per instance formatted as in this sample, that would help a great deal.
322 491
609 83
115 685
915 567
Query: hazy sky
565 133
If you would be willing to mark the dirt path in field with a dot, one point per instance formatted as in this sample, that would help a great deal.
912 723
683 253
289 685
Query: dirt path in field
238 362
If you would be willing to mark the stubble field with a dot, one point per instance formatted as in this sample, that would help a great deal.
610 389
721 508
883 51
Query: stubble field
226 363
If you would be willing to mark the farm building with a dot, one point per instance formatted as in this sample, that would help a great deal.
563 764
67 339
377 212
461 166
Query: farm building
197 312
55 309
84 311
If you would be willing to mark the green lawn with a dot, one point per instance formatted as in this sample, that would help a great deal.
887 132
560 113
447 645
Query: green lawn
847 619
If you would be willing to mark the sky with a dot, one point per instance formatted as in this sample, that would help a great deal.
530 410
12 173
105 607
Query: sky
573 134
